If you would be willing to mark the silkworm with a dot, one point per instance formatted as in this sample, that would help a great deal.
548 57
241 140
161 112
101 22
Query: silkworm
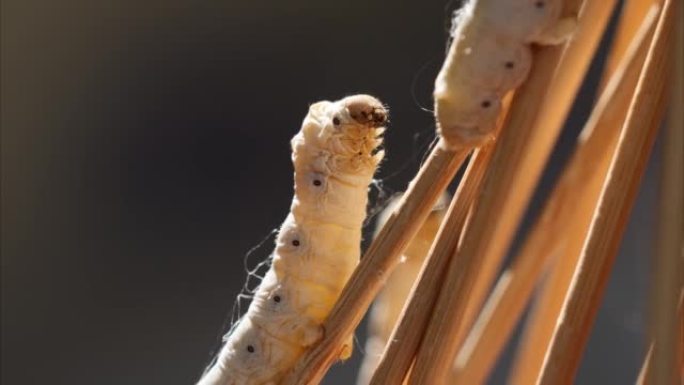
335 155
390 302
489 56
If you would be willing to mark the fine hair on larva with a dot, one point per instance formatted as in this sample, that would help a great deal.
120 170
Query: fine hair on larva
382 197
390 301
253 278
488 57
335 155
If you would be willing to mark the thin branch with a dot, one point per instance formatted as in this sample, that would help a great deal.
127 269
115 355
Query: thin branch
584 294
645 371
537 115
514 289
631 15
667 283
680 316
403 343
541 323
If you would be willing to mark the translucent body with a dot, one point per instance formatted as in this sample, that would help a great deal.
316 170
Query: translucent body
488 57
318 245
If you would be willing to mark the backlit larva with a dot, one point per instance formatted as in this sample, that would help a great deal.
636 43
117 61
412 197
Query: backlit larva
390 302
318 246
489 56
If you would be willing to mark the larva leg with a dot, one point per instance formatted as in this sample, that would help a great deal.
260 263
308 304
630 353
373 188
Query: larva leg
312 334
248 357
557 33
277 310
347 349
318 246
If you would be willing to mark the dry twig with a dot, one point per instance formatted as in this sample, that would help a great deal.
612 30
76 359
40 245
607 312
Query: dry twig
400 350
583 297
511 295
541 323
499 211
631 15
644 373
667 282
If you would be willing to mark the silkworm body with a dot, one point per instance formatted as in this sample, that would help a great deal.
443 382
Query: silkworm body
390 302
489 56
318 246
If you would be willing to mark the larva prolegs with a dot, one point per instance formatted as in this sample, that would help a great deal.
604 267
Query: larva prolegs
347 349
557 33
318 246
278 311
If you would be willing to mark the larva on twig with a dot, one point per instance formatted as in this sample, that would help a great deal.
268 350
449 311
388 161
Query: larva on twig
489 56
318 246
389 303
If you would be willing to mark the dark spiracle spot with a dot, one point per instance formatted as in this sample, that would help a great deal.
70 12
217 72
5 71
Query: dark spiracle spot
317 182
276 298
539 4
250 348
295 242
486 104
336 121
509 64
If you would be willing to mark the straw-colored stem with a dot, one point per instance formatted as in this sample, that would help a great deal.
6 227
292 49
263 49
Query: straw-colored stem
403 343
378 262
583 296
537 114
542 321
668 262
644 373
514 289
632 13
680 317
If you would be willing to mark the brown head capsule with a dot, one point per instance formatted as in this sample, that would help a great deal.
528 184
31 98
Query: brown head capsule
366 110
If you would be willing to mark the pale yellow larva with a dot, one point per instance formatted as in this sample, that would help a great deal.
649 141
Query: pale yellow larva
318 246
488 57
390 302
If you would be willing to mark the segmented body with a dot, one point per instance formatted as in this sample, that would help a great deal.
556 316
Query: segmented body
390 302
489 56
317 247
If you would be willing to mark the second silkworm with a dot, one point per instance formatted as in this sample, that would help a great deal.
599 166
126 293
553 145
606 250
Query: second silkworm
489 56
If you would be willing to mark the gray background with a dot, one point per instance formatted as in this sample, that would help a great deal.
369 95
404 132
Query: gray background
145 150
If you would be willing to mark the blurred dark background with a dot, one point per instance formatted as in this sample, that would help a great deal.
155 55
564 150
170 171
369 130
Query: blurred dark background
145 150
